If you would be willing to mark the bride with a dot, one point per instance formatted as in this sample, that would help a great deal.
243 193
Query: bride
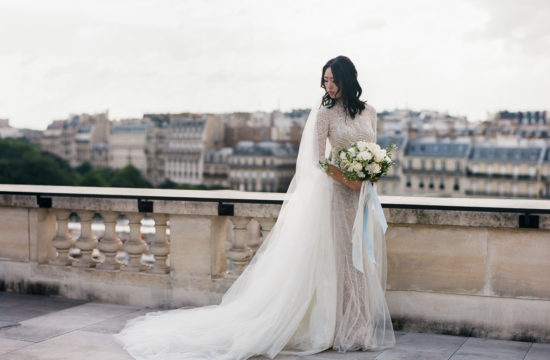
311 286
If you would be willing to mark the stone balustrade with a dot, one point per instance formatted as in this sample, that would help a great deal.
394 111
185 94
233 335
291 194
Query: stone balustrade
476 267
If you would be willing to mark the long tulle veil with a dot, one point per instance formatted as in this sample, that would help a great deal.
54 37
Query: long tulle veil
285 299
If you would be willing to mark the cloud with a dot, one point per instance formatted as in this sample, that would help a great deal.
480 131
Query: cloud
520 26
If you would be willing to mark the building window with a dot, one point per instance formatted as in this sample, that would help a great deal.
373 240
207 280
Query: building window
442 184
457 166
411 164
431 183
456 186
433 165
442 165
422 165
421 183
408 181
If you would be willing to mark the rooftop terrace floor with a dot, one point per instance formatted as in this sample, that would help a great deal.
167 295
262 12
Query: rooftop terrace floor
40 327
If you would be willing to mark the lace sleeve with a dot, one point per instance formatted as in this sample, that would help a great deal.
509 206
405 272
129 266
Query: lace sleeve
374 119
322 132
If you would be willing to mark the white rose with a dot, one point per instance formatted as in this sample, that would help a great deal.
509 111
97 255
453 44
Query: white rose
362 145
373 168
355 166
387 159
379 155
343 155
361 174
373 146
351 151
364 155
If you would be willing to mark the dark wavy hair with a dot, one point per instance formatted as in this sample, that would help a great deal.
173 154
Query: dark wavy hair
345 75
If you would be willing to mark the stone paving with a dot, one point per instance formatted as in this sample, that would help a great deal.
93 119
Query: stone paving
40 328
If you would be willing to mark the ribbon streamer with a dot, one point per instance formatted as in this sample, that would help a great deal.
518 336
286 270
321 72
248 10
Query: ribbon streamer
369 214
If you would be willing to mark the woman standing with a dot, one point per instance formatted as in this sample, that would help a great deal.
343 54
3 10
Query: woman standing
345 119
300 294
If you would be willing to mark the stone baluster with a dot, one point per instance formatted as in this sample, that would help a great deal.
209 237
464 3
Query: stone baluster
135 246
160 247
254 240
266 224
62 241
110 244
86 241
239 253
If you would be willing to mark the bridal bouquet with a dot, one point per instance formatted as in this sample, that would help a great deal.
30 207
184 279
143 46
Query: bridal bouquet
362 161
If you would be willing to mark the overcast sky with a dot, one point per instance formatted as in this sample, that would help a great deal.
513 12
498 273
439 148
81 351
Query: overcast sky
466 57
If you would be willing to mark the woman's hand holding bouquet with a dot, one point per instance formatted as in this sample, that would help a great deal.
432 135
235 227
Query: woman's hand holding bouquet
362 161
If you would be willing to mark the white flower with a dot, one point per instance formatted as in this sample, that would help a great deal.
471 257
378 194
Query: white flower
351 151
387 159
364 155
379 155
355 166
362 145
361 174
373 168
343 155
373 147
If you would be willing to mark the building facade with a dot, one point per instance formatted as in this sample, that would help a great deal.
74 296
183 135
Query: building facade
266 166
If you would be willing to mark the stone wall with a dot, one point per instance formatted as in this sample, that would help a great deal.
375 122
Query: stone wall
455 266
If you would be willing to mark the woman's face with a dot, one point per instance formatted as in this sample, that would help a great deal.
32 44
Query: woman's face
330 86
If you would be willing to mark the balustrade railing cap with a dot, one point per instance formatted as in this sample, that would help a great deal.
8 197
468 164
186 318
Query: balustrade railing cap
143 193
467 204
402 202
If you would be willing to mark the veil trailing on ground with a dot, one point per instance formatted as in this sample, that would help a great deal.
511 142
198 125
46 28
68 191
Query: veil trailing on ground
285 299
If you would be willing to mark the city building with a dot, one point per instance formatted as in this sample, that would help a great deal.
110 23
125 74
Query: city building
216 167
435 166
506 169
392 182
265 166
189 137
74 138
127 144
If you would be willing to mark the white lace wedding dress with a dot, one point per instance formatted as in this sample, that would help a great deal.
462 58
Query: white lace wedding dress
300 294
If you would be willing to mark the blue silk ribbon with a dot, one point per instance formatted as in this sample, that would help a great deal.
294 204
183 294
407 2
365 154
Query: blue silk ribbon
373 203
363 234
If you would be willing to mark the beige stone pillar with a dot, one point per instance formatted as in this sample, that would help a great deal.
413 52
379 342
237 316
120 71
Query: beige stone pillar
254 241
135 246
266 224
160 247
62 241
110 244
86 241
197 245
41 233
240 254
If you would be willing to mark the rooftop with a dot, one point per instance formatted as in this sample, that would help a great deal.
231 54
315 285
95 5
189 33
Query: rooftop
42 327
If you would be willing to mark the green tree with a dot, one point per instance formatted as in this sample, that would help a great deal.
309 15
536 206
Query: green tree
24 163
93 178
129 176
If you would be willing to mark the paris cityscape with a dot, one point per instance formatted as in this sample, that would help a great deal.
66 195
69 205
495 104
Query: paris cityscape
437 154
